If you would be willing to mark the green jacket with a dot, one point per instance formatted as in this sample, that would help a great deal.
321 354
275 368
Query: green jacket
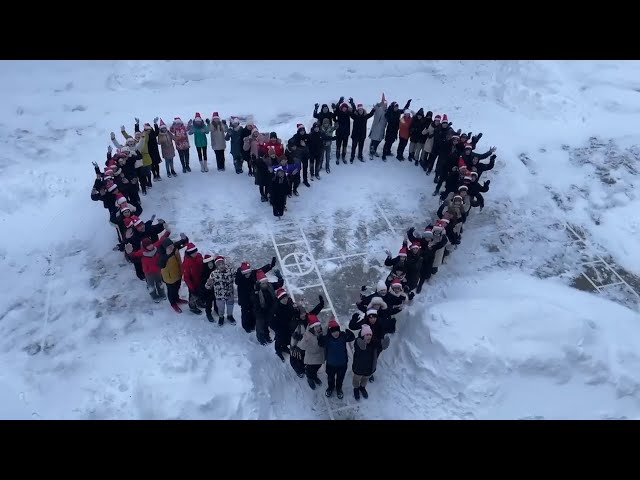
200 134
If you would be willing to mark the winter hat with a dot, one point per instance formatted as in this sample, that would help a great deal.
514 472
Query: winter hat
408 113
443 222
146 242
117 171
162 124
429 114
372 311
468 146
463 188
366 330
191 248
197 117
427 234
415 245
381 286
437 117
402 252
128 222
457 198
473 174
396 283
455 137
444 118
125 207
126 151
177 120
313 320
207 257
300 127
333 325
344 105
219 258
215 116
281 292
420 112
273 135
359 106
245 267
137 222
468 178
261 277
147 126
437 229
112 187
121 201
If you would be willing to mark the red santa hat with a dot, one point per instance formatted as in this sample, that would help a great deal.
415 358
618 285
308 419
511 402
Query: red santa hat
162 124
366 330
415 244
120 200
124 207
473 174
117 171
215 116
359 106
468 178
177 120
207 257
384 100
137 222
261 277
219 258
463 188
444 118
191 248
333 324
428 233
468 145
437 117
197 116
443 222
300 126
281 292
457 198
372 311
396 283
245 267
313 320
128 222
402 252
112 187
408 113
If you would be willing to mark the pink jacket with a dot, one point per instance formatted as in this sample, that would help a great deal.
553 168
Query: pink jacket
251 143
179 131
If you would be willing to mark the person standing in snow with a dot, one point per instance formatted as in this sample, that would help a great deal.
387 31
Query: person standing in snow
181 137
313 352
262 174
324 113
480 168
245 280
151 142
170 264
144 167
265 304
359 132
296 357
166 139
392 116
192 267
416 137
221 280
218 138
234 137
149 257
365 359
335 347
199 129
378 126
428 135
301 141
251 146
206 296
284 318
404 129
316 150
327 133
343 119
279 190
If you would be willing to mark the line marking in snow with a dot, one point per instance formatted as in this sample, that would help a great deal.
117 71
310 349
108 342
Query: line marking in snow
386 219
310 286
611 284
342 257
591 282
289 243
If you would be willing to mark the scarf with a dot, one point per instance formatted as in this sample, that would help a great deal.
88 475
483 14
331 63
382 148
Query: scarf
150 253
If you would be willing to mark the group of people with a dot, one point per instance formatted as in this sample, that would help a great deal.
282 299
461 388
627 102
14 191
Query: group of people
265 305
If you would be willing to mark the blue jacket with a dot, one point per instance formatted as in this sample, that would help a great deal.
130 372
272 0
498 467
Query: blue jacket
336 348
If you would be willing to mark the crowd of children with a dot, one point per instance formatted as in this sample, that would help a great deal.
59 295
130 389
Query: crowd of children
278 171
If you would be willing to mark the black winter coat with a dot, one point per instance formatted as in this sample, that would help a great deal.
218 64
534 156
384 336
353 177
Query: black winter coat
316 142
343 119
152 143
393 121
417 126
483 167
325 112
359 131
267 309
376 328
284 319
246 286
365 355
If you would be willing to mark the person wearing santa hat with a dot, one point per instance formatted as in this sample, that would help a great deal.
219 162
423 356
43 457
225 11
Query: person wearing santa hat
324 113
400 261
245 280
265 304
192 266
262 172
206 297
170 265
428 135
148 256
313 351
480 168
221 281
219 131
393 115
337 358
296 357
404 130
251 147
199 129
181 137
414 265
166 139
367 348
365 300
151 136
342 113
235 139
285 319
359 132
395 300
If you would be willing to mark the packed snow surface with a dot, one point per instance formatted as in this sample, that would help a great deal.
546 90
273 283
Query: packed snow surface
498 333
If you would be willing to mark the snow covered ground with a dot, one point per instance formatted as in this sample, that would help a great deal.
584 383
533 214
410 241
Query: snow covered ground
500 332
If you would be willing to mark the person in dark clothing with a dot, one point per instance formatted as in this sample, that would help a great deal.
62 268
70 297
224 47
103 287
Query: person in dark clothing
480 168
343 118
476 190
245 280
447 159
152 145
367 348
170 264
468 155
359 131
414 265
417 138
262 175
284 316
337 360
291 153
316 150
393 115
207 296
301 141
235 139
324 113
298 327
264 302
279 190
439 136
246 154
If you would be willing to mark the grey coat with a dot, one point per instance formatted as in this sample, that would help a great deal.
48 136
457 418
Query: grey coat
379 123
165 140
218 141
428 145
313 353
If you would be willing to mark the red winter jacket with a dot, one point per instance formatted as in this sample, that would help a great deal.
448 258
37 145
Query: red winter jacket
150 263
192 270
277 146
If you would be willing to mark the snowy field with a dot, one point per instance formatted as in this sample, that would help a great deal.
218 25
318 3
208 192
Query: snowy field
535 315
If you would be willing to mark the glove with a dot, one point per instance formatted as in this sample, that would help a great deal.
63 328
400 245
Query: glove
273 262
469 134
411 230
224 122
207 121
493 149
411 295
160 220
155 120
355 316
481 207
492 157
128 248
153 217
321 299
388 253
137 120
113 136
350 99
183 236
278 274
122 128
341 100
410 100
363 288
333 106
317 105
487 183
297 336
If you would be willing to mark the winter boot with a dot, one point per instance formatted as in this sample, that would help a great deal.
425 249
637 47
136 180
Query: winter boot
435 192
221 321
400 157
317 380
195 310
176 308
306 183
210 317
201 166
339 394
231 320
280 356
182 301
300 375
295 192
311 383
417 162
356 393
317 176
344 159
184 166
364 392
173 172
206 167
371 379
411 157
311 177
328 392
328 169
360 158
371 153
158 178
187 165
